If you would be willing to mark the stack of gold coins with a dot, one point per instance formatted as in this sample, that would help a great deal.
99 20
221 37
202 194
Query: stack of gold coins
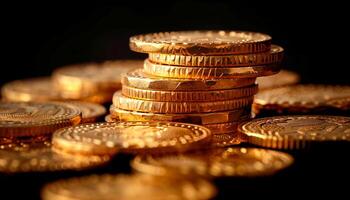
201 77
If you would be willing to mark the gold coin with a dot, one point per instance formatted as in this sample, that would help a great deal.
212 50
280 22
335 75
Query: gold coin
227 139
216 162
275 55
91 112
128 187
38 157
211 95
224 127
201 42
296 132
80 81
208 72
108 138
194 118
282 78
126 103
305 97
141 80
33 119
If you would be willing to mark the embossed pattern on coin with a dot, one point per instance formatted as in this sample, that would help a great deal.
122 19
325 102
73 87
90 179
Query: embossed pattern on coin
108 138
201 42
226 139
296 132
32 119
90 111
218 162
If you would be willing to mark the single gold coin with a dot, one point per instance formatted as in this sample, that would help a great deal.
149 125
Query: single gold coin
33 119
215 162
305 97
91 112
283 78
128 187
275 55
38 157
201 42
194 118
208 72
134 137
81 81
296 132
210 95
141 80
127 103
227 139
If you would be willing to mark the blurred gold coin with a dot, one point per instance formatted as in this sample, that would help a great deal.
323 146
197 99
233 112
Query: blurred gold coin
210 95
33 119
227 139
38 157
81 81
275 55
91 112
128 187
224 127
141 137
296 132
141 80
282 78
216 162
126 103
201 42
304 98
194 118
209 72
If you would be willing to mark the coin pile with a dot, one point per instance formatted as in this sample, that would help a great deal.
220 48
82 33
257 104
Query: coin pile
201 77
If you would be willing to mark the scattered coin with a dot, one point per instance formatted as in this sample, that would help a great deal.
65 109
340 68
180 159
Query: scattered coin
91 112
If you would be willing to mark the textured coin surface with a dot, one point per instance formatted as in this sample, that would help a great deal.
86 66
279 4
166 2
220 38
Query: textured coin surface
128 187
141 80
227 139
282 78
224 127
31 119
194 118
201 42
38 157
275 55
296 132
127 103
217 162
306 96
209 72
210 95
91 112
84 80
108 138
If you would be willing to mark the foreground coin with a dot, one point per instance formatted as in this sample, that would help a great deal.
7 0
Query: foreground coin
237 162
201 42
275 55
303 98
33 119
210 73
80 81
125 103
91 112
141 80
194 118
134 137
128 187
296 132
282 78
38 157
210 95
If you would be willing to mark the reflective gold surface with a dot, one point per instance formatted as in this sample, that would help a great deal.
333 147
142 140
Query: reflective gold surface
91 112
282 78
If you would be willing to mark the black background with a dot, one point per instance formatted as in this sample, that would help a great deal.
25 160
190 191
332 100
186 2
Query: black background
38 37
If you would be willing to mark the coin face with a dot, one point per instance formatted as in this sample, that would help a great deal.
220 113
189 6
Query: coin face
90 111
283 78
201 42
141 80
108 138
218 162
293 132
133 187
30 119
226 139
